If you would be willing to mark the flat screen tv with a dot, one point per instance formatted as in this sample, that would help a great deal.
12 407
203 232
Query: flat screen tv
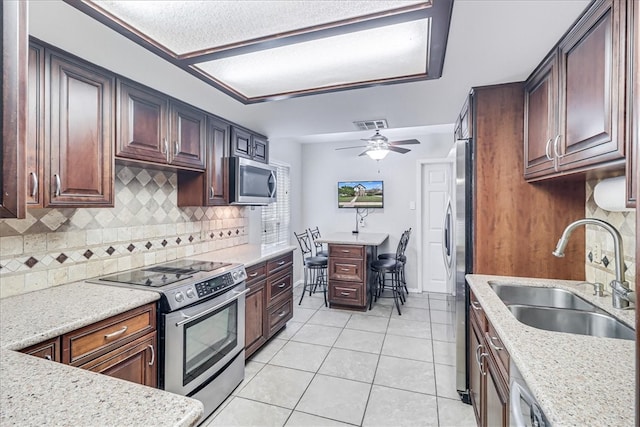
360 194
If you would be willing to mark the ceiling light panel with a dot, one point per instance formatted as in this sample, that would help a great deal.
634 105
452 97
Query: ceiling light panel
375 54
190 26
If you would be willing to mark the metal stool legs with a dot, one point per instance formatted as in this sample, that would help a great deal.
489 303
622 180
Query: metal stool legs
314 277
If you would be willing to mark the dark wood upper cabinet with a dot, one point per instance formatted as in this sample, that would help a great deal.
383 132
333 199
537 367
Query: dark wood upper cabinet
210 188
248 145
14 33
79 134
633 100
188 135
540 109
142 123
35 132
575 99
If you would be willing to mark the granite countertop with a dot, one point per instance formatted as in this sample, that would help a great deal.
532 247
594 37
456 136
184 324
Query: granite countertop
343 238
39 392
578 380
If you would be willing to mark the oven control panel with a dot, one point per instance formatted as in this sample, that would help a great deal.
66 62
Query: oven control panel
215 285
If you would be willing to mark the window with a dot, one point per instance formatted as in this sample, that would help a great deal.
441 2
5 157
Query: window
276 217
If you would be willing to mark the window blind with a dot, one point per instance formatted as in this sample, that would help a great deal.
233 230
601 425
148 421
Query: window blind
276 217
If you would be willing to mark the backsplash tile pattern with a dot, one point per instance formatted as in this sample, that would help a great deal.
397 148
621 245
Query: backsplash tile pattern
625 223
55 246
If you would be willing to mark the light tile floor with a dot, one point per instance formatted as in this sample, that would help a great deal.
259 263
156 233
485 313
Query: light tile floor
341 368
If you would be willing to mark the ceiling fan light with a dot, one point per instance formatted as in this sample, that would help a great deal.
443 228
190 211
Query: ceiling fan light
378 153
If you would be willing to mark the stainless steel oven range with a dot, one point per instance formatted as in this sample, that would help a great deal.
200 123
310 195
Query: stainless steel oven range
201 325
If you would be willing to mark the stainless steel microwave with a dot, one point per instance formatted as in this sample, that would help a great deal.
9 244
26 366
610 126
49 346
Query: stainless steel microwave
251 182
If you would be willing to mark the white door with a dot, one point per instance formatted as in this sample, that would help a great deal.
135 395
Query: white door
436 190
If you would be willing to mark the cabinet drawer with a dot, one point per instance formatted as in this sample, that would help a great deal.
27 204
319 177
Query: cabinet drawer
49 349
346 269
279 314
498 351
476 313
346 251
278 285
94 340
347 294
256 272
279 263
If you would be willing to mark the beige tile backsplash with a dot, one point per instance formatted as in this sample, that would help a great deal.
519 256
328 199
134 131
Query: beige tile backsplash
625 223
55 246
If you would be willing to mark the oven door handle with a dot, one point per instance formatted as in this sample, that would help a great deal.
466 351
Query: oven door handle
214 308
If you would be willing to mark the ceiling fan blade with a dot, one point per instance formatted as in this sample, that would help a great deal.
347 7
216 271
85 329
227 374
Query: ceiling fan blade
348 148
364 153
405 142
399 150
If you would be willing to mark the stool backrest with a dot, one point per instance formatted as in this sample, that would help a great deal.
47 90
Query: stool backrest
402 244
305 244
315 234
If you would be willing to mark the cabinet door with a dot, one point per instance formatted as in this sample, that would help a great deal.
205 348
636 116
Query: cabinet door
240 143
188 135
260 147
14 40
142 123
35 131
135 362
217 150
540 113
80 139
633 100
496 397
476 372
255 332
592 69
49 350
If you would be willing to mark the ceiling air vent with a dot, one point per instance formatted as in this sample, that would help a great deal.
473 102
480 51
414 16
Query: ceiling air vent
371 124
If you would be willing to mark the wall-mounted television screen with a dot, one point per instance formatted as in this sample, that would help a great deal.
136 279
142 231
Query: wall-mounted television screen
360 194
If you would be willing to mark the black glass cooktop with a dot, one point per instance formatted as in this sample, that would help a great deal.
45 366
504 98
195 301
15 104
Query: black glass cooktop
153 279
188 265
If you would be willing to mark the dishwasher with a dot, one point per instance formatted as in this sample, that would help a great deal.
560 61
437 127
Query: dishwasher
524 410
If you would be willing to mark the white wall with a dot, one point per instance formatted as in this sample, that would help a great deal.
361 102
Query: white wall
323 167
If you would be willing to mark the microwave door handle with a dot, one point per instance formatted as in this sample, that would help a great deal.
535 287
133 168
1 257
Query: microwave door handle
273 184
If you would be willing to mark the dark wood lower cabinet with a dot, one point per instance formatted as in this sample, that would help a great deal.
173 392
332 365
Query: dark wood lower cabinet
49 350
496 397
255 332
476 372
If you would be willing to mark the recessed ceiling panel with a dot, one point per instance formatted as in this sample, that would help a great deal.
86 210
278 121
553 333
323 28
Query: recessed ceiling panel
364 56
188 26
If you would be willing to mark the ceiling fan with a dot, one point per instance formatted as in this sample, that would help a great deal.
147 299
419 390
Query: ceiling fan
379 146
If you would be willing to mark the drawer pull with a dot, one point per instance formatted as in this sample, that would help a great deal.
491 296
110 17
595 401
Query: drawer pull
34 191
346 294
495 347
253 274
282 285
345 251
476 306
47 356
282 313
116 333
281 263
153 355
344 269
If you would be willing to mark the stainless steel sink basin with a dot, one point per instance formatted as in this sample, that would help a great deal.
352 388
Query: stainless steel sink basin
541 297
572 321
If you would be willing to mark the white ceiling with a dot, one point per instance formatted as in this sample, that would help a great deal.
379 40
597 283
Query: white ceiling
490 42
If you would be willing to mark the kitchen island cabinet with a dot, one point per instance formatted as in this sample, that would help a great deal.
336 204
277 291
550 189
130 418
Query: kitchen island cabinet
574 102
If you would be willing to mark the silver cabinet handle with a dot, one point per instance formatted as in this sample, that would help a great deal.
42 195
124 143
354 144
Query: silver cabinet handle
47 356
476 307
116 333
555 147
253 274
166 148
346 294
345 251
153 355
495 347
479 359
281 263
211 192
282 285
547 149
58 185
163 150
34 179
176 148
282 313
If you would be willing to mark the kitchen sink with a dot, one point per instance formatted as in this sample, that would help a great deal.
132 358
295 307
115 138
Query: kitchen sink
572 321
541 297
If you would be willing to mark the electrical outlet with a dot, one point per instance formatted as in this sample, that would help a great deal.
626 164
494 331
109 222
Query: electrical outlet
597 253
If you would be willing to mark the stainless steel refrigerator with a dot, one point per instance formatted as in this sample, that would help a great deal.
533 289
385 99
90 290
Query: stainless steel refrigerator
464 259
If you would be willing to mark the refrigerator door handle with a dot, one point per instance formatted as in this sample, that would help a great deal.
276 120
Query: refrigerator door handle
446 239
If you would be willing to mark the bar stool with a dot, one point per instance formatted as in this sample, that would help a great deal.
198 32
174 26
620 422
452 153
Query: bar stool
315 234
315 268
393 267
402 259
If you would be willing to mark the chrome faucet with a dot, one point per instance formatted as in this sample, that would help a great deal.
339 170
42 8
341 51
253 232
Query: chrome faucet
620 296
